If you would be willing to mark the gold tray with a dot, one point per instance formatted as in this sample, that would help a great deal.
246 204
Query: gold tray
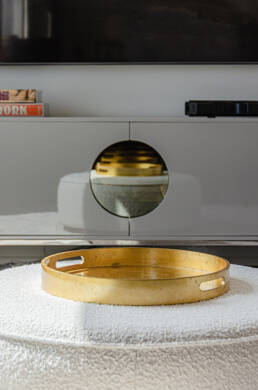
135 276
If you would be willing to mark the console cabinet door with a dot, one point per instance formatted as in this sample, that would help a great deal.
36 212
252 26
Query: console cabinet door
44 169
213 179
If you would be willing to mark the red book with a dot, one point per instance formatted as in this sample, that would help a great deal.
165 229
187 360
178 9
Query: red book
20 109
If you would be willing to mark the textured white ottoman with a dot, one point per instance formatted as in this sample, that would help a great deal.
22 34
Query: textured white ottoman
48 343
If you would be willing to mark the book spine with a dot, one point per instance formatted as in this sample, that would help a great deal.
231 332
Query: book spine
22 110
19 96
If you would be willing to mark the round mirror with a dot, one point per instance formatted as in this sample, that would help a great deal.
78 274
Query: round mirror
129 179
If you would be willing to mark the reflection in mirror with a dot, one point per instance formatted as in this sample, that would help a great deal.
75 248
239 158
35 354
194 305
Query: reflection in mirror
129 179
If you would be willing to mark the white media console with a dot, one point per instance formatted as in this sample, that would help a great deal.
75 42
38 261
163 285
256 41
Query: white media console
45 195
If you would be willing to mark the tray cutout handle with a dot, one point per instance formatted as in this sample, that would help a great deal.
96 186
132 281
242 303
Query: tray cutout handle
78 260
212 284
65 260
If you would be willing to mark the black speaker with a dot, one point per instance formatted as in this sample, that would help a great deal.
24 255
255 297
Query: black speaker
213 108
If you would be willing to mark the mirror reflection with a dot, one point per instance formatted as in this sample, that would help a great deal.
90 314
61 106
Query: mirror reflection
129 179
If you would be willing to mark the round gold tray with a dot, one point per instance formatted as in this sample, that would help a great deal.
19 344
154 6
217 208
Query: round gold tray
135 276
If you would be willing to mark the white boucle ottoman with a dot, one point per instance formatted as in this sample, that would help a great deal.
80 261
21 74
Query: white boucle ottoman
49 343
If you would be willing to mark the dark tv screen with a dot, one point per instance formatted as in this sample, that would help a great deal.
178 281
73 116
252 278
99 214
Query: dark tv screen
128 31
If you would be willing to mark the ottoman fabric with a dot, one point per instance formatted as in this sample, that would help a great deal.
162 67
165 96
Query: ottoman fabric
50 343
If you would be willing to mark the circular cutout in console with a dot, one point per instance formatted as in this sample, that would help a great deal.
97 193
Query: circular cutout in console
129 179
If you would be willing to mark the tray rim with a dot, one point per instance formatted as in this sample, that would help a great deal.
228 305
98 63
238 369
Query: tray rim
47 268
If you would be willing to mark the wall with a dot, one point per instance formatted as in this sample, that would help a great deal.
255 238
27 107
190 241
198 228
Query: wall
131 90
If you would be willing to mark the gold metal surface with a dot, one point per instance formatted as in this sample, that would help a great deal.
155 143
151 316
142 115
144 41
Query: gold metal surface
135 276
129 159
128 169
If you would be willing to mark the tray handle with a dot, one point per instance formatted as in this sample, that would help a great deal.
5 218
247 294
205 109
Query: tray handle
212 284
51 261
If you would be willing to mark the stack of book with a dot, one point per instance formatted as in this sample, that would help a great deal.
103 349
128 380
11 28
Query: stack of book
21 102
